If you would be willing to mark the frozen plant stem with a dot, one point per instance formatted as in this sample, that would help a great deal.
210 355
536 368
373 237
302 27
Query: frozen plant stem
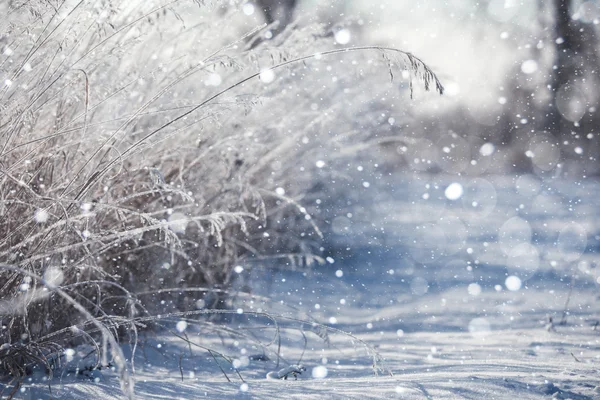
563 320
414 64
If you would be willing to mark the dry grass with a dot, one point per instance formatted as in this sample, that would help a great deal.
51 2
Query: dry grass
138 166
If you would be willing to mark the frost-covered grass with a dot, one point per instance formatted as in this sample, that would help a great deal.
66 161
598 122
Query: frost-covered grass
145 154
451 327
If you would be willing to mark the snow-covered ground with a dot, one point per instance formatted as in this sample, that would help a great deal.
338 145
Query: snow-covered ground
451 282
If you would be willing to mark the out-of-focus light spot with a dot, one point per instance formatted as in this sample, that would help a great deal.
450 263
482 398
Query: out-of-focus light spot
319 372
487 149
343 36
181 326
474 289
529 67
248 9
454 191
40 216
267 75
320 164
513 283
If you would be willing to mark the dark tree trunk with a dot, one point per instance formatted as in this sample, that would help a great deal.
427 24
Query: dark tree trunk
561 13
576 58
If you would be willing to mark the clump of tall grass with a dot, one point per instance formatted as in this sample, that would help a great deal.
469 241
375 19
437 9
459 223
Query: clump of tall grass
144 154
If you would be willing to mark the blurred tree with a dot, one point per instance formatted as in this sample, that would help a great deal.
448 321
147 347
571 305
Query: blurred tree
574 78
557 91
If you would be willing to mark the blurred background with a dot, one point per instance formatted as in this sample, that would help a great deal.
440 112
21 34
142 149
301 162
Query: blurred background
521 75
492 184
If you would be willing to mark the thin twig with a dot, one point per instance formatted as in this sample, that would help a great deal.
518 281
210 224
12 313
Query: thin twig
180 366
563 320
